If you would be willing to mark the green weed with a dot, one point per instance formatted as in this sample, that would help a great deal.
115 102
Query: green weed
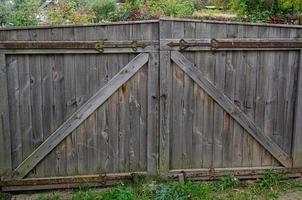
5 196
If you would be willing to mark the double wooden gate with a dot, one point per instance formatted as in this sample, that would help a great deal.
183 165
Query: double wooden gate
94 104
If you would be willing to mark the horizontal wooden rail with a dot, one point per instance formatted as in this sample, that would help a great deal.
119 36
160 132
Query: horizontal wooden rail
68 181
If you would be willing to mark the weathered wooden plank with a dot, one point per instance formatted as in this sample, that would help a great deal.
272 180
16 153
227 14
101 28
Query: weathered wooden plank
153 111
201 159
59 111
189 32
70 108
221 73
5 137
290 94
297 148
236 113
178 130
77 118
82 95
263 32
14 110
165 111
239 84
113 66
92 77
47 101
37 108
25 107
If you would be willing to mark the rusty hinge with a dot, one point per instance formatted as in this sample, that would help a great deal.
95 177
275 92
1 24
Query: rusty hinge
134 45
183 44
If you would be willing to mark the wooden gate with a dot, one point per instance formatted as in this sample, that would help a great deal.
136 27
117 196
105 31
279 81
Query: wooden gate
78 104
90 105
228 98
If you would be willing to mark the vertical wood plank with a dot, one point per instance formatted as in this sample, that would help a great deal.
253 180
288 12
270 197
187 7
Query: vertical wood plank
165 110
5 138
220 81
237 60
178 145
189 32
59 110
48 118
153 111
70 107
165 30
297 147
14 110
37 106
290 94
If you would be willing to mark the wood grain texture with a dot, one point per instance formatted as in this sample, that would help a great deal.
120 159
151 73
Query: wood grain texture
5 140
77 118
237 114
297 149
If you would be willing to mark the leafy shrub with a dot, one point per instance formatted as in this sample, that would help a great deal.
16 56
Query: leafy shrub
264 10
178 8
69 11
104 8
23 13
4 11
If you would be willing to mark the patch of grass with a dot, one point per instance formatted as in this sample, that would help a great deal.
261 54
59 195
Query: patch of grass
215 14
50 197
269 186
5 196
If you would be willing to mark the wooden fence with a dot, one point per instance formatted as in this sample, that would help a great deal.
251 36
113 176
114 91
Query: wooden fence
89 105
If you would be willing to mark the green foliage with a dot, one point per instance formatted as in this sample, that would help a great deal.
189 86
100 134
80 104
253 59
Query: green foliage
263 10
23 13
294 6
119 193
227 182
51 197
69 12
5 196
104 9
4 11
178 8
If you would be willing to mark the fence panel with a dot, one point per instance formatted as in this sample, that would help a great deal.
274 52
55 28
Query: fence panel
91 105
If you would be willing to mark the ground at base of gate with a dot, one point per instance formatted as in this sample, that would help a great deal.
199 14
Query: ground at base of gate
226 188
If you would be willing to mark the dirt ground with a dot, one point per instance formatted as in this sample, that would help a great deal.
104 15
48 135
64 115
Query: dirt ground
292 196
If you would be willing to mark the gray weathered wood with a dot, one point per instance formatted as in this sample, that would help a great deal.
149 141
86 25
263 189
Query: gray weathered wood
229 106
77 118
153 111
5 140
297 147
165 111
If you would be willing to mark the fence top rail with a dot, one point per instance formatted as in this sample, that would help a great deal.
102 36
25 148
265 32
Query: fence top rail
231 22
76 26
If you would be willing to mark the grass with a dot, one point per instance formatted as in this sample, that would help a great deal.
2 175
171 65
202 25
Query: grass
270 186
215 14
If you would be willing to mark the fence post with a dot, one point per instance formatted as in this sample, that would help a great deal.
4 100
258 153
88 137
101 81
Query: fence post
297 139
5 147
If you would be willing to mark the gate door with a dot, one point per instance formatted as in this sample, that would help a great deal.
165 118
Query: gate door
227 99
